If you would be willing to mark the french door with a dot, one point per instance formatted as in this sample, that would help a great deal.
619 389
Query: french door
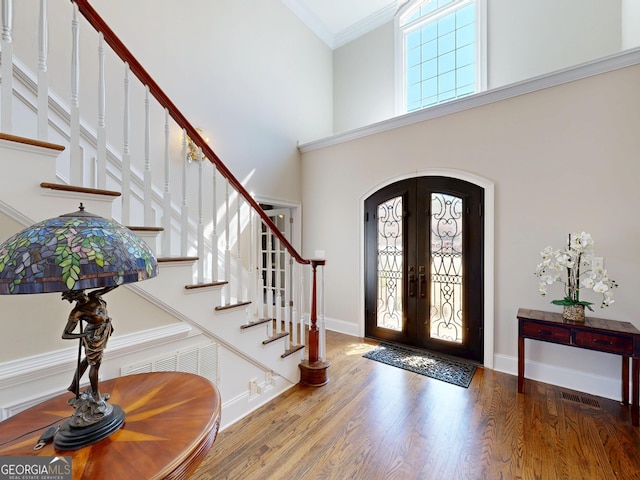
424 265
274 267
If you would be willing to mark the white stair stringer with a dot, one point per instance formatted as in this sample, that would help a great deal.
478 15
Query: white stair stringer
197 307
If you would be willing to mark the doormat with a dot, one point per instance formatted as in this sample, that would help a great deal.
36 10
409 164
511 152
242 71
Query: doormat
431 365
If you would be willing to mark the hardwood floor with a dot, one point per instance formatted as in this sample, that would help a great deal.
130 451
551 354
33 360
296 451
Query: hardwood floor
373 421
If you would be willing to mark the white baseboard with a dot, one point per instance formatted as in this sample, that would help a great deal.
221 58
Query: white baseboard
242 405
340 326
601 386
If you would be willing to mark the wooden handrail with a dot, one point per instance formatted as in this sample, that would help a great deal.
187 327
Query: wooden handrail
138 70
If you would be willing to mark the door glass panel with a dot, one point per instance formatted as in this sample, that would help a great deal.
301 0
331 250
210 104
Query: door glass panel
273 270
390 264
446 312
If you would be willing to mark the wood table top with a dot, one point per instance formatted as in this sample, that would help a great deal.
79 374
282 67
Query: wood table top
589 321
172 420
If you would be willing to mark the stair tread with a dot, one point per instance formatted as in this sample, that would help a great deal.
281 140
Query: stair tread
275 337
256 322
176 259
30 141
145 229
204 285
292 349
72 188
232 305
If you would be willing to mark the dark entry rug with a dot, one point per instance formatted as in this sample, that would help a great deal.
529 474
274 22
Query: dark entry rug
429 364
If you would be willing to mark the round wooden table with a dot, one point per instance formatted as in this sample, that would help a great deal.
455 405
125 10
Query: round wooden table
172 420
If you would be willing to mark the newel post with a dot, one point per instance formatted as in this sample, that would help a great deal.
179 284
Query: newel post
313 372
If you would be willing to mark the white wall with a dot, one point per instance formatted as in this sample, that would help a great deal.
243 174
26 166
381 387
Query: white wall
527 39
562 159
630 24
524 40
363 76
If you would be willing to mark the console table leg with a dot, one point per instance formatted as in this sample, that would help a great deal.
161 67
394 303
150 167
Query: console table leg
635 401
520 364
625 380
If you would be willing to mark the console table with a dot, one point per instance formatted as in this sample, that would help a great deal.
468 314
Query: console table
172 421
611 336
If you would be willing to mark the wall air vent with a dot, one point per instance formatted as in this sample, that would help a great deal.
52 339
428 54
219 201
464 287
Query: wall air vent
201 361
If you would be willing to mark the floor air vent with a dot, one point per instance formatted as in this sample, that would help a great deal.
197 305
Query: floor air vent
592 402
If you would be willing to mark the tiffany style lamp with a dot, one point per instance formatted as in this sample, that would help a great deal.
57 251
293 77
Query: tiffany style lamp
71 254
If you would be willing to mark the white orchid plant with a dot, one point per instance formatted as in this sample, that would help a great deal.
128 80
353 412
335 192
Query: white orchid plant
573 266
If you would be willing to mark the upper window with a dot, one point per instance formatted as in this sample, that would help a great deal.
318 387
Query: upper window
440 52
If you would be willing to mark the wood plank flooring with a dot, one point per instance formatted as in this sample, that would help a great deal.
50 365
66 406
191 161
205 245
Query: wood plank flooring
373 421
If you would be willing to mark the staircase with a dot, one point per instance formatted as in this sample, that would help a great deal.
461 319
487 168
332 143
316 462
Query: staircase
238 321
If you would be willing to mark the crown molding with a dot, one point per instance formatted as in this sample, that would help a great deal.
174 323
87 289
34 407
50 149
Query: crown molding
338 39
367 24
311 21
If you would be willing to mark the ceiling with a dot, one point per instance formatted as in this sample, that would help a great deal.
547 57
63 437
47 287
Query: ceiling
338 22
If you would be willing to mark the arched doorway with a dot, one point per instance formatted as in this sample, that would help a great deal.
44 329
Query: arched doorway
424 265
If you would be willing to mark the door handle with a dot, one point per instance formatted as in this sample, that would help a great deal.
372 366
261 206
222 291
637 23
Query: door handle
412 282
423 281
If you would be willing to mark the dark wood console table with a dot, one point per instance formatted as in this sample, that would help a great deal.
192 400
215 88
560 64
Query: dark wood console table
611 336
172 420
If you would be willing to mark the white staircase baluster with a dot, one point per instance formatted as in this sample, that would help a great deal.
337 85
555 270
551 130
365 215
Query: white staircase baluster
253 246
239 273
288 265
258 297
269 273
43 78
277 287
214 230
102 131
166 214
261 281
75 154
227 251
295 332
300 315
126 155
277 291
6 96
200 266
149 219
184 211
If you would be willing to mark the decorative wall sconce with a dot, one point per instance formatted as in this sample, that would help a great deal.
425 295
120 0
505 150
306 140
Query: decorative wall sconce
193 151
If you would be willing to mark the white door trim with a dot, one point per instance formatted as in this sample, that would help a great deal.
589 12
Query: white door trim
295 212
489 240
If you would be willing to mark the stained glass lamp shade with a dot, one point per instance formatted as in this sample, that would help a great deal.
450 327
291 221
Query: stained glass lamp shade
69 254
74 251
